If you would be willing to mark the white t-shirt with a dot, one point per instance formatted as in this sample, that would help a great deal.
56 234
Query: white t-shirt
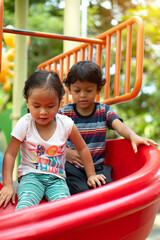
40 156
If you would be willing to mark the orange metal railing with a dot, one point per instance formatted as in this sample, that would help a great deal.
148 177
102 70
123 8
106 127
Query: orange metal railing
97 49
62 63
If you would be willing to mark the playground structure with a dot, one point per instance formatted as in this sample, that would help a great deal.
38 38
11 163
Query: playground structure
124 209
7 77
87 51
8 64
7 68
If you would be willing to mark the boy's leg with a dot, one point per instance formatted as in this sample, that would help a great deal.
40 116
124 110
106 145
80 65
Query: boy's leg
30 191
76 179
105 170
56 189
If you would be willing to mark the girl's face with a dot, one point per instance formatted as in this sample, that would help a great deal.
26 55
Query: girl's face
83 94
43 105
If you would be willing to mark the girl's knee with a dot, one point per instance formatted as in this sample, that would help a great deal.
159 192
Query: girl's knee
57 190
25 201
28 199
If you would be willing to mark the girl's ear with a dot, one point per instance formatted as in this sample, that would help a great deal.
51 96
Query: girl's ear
26 102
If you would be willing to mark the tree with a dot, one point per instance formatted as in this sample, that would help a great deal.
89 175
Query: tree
47 16
140 113
143 111
44 16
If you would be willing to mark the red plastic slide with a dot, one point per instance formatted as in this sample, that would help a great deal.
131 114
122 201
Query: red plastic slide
124 209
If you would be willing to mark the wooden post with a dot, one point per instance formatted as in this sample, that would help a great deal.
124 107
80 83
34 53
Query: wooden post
21 13
71 22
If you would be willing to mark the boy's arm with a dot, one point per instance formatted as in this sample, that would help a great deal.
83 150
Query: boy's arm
7 192
86 158
126 132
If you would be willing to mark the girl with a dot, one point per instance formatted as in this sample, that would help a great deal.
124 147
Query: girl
41 136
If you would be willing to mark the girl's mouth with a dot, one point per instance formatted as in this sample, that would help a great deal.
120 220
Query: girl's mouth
43 119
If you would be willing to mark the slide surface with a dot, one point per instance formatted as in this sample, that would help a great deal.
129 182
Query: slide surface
124 209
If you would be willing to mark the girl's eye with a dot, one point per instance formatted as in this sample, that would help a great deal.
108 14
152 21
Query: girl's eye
50 106
36 106
76 91
89 90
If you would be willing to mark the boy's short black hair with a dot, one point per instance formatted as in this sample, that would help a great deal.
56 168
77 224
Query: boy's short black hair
85 71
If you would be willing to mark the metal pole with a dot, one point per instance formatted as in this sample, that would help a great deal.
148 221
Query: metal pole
53 36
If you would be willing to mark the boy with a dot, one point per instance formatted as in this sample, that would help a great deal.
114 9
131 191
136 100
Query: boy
92 119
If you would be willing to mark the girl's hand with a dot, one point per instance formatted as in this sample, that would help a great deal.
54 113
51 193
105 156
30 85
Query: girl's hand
95 180
136 140
73 157
6 194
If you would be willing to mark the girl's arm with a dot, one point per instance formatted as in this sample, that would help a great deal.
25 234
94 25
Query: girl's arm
7 192
128 133
86 158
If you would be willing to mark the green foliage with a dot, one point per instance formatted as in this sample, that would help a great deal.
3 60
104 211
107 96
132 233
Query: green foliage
141 114
101 13
42 19
44 16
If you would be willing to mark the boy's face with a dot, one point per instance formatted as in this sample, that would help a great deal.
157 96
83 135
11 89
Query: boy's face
83 94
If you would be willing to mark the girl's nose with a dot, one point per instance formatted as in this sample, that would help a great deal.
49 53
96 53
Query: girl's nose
43 111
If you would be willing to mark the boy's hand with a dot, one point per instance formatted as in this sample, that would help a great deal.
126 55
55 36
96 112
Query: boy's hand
95 180
136 140
126 132
73 157
7 193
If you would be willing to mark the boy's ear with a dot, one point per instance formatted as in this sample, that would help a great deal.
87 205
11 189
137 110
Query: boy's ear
70 92
99 90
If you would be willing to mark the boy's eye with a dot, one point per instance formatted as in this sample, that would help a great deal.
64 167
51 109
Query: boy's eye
51 106
36 106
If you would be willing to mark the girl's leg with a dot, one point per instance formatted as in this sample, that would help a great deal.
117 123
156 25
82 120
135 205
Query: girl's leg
56 189
30 191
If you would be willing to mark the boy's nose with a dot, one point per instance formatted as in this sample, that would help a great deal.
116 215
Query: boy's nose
82 94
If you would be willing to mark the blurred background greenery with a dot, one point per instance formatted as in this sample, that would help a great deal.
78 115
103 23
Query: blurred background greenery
141 114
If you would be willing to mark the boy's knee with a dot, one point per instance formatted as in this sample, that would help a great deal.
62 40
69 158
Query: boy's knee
75 188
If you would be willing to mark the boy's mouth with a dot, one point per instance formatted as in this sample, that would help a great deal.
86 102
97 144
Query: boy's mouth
83 101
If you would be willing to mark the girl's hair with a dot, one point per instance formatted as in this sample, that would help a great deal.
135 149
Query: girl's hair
85 71
43 79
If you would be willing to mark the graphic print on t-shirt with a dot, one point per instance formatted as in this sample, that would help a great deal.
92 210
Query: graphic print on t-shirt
47 159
